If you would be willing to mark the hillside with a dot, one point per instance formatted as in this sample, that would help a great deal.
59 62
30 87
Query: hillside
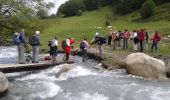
79 27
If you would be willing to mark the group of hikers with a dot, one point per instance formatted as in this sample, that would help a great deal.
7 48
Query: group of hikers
116 39
138 38
19 39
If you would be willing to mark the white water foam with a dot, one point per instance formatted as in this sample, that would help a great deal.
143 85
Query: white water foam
87 96
76 72
51 90
40 76
8 52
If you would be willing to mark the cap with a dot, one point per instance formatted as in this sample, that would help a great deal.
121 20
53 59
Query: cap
96 34
16 33
37 32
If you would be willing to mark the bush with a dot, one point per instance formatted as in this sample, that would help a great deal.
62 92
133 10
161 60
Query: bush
127 6
148 9
71 8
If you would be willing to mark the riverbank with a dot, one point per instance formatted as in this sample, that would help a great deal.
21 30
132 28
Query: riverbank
115 59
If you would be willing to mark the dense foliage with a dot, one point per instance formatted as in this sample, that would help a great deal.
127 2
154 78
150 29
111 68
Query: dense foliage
148 9
72 7
15 14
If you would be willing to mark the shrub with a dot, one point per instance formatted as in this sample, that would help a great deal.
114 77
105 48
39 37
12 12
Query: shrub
148 9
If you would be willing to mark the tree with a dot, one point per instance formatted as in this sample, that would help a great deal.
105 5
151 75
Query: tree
42 13
14 14
71 8
148 9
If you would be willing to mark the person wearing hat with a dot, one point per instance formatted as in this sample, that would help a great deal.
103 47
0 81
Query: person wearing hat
35 43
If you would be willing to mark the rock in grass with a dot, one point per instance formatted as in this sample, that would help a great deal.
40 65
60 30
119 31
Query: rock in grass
141 64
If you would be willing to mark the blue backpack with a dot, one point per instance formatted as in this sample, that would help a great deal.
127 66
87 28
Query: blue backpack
82 45
16 40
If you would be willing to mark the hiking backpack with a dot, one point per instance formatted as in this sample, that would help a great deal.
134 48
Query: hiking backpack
82 45
53 44
102 40
33 40
16 40
64 44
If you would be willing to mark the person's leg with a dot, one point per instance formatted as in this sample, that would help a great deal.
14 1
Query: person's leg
19 53
33 54
141 48
36 54
67 56
124 44
152 47
22 53
156 46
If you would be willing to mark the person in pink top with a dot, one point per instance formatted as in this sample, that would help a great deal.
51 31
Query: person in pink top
84 47
126 36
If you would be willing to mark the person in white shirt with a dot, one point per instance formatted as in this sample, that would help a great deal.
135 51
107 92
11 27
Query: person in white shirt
54 48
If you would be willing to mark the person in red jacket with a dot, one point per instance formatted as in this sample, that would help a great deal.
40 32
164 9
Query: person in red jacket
141 39
68 48
156 38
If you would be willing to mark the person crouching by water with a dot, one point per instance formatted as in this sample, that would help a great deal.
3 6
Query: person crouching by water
84 46
34 41
100 40
67 47
53 49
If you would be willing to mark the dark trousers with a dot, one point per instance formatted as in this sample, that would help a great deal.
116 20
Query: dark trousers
84 55
154 46
125 43
109 40
141 46
67 56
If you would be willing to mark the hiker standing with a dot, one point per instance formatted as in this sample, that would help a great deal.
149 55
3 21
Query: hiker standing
126 36
141 39
135 40
156 38
120 38
109 35
67 46
114 39
84 46
35 43
146 39
54 48
21 47
49 45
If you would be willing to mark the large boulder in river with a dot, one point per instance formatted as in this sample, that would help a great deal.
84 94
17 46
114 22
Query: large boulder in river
141 64
3 83
65 68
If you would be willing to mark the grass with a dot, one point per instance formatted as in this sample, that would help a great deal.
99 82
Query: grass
79 27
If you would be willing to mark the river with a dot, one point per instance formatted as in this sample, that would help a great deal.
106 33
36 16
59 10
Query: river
83 82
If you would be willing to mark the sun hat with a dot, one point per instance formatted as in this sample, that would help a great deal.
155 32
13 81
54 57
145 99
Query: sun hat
37 32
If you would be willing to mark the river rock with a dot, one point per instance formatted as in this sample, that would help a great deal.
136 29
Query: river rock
4 84
141 64
65 68
168 68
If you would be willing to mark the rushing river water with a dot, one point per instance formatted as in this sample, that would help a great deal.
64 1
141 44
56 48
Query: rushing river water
83 82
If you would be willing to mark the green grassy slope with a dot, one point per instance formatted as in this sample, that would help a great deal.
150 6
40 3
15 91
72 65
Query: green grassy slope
85 25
